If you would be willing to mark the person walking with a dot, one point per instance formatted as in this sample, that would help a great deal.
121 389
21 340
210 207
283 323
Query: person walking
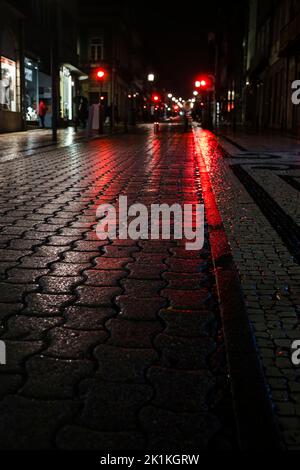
42 113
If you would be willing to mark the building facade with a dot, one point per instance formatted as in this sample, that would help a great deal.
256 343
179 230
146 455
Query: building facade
107 41
11 67
229 40
28 32
273 63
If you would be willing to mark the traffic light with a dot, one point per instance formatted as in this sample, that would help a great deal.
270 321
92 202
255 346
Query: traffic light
100 74
156 98
206 83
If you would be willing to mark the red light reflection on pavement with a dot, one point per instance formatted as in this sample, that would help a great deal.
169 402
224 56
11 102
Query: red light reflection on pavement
207 149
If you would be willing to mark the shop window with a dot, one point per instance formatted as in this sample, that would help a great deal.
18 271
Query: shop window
8 84
66 94
96 49
31 90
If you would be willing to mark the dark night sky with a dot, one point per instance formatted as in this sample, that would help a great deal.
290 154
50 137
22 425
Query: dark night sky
175 39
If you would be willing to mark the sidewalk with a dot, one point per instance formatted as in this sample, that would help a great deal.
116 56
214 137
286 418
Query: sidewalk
17 144
264 141
257 187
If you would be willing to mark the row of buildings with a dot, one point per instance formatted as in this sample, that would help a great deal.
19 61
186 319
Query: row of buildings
257 52
50 51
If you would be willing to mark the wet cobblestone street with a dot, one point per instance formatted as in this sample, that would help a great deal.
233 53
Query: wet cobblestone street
110 345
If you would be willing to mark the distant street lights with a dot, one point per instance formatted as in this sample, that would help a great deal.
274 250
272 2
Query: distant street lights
151 77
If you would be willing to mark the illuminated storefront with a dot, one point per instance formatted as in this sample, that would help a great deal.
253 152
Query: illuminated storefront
8 95
11 118
31 90
38 88
66 94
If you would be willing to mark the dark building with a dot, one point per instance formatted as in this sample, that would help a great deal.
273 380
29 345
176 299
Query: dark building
107 41
273 63
229 62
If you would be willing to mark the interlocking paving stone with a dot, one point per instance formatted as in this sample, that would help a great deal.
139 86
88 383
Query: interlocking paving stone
10 384
46 304
104 278
10 293
181 390
187 299
29 328
87 318
184 353
18 352
54 379
118 364
61 285
80 438
188 323
172 431
131 333
104 406
97 296
73 344
18 415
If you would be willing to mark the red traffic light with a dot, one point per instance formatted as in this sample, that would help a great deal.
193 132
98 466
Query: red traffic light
156 98
100 74
200 83
206 83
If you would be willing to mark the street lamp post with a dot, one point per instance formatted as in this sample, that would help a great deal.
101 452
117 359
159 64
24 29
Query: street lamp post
150 80
100 78
206 84
54 56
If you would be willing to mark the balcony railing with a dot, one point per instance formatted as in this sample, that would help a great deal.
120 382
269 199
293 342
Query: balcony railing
290 35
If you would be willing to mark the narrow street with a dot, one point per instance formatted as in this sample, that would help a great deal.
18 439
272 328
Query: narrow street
149 230
130 344
110 345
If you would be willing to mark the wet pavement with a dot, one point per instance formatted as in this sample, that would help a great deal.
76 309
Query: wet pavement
111 345
256 184
25 144
18 144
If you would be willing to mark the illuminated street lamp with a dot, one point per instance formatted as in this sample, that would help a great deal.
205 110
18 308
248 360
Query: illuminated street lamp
151 77
170 95
195 93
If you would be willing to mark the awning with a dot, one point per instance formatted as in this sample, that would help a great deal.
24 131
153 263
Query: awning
81 75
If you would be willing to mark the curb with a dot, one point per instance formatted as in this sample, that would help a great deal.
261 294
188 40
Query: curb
255 420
